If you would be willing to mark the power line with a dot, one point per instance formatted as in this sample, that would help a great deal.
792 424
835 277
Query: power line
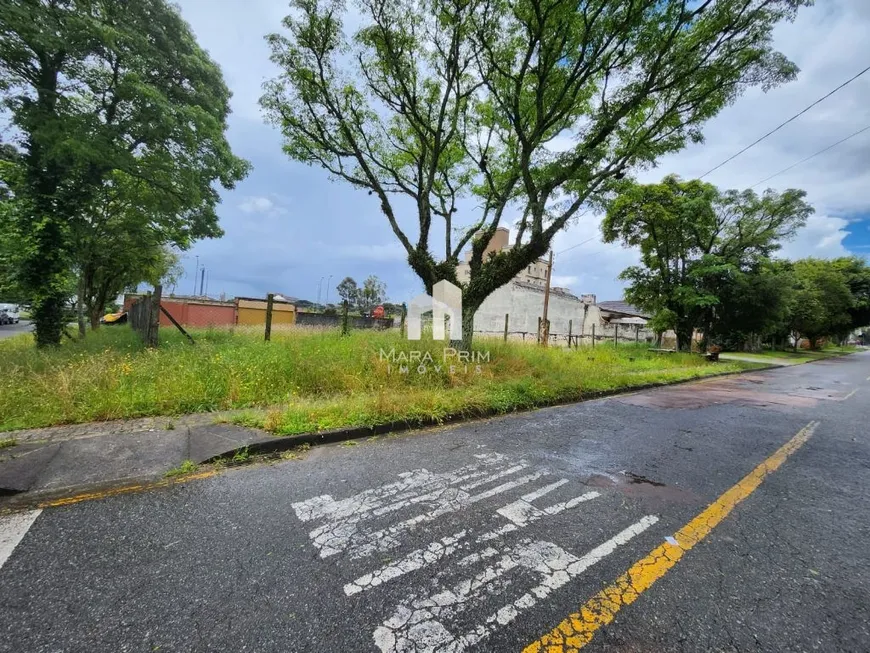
797 115
812 156
577 245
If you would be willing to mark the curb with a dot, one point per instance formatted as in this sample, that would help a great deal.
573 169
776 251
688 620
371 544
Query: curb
280 443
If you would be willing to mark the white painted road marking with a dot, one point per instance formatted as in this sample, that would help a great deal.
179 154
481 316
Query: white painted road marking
848 396
472 565
13 528
418 625
346 530
521 513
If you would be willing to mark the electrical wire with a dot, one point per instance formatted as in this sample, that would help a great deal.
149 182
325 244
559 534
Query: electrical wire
811 156
797 115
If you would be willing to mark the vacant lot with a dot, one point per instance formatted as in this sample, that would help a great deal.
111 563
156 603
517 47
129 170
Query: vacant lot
308 380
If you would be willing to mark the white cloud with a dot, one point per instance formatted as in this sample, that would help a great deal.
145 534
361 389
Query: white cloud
256 205
821 238
564 281
262 205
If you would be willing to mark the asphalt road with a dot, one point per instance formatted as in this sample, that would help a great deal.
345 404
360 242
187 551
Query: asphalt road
485 537
9 330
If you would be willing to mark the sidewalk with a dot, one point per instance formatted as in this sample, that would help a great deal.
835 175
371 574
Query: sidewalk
749 358
62 458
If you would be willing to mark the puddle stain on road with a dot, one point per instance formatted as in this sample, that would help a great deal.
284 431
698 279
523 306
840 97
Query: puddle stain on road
743 391
636 486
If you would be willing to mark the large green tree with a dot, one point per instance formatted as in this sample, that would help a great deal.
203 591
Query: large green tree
124 239
753 305
95 87
694 242
856 272
532 107
822 300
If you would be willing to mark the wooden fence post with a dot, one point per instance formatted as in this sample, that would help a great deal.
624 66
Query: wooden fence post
344 329
154 317
270 300
593 336
177 325
506 317
570 324
637 336
616 335
539 329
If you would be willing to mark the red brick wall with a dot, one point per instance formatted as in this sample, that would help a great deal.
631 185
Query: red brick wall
193 313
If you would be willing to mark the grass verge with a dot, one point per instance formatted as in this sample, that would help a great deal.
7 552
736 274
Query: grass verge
319 379
800 356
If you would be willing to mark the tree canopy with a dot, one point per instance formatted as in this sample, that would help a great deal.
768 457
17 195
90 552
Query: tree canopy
528 108
696 243
99 87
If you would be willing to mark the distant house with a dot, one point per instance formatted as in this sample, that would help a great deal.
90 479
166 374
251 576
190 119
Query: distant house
621 308
623 314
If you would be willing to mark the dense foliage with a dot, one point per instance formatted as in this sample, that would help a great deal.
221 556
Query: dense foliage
707 266
101 93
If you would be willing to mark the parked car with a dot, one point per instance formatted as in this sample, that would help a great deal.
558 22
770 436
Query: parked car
9 314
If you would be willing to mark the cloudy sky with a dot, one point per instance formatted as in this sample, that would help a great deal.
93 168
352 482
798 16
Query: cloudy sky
288 227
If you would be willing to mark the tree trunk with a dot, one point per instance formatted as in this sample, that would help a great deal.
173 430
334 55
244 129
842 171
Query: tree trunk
43 270
48 319
80 306
95 319
467 325
684 336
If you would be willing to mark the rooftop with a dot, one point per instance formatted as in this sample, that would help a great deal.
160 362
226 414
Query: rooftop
620 306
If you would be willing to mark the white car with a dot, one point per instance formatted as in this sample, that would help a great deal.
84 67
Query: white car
9 314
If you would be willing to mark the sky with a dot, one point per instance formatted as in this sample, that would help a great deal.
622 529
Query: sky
290 230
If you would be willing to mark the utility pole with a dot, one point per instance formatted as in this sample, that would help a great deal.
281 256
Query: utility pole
195 272
319 285
202 280
328 281
206 283
545 324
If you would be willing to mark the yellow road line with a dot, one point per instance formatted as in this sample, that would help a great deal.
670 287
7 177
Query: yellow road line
578 628
126 489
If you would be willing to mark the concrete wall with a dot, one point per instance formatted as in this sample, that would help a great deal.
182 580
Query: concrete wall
525 305
193 312
253 312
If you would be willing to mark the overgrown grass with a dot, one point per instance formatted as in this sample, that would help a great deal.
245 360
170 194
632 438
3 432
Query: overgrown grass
186 467
318 380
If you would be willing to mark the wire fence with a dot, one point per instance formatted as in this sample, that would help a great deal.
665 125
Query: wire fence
265 316
244 315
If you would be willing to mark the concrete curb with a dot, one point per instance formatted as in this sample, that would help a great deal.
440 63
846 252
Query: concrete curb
279 443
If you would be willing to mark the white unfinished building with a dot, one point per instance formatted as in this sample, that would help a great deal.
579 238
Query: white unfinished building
522 301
